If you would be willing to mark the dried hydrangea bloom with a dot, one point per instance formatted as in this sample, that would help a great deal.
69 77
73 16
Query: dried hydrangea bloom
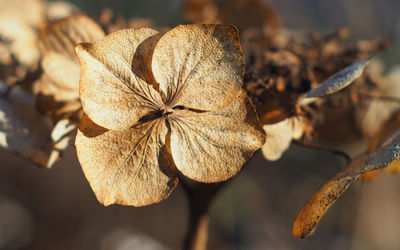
156 104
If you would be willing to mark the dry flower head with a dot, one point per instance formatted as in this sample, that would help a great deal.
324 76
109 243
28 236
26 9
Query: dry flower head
156 104
280 134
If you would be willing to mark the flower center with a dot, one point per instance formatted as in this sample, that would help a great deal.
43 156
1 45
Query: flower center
166 111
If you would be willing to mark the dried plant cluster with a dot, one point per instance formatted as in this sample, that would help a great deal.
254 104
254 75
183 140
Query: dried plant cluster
147 104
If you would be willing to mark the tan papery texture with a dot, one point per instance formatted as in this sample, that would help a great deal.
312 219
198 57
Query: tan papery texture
145 136
199 66
59 85
112 95
213 146
280 136
128 167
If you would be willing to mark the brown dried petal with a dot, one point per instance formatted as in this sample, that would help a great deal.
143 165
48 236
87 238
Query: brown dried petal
280 136
59 84
128 167
387 152
199 66
62 36
112 95
213 146
63 74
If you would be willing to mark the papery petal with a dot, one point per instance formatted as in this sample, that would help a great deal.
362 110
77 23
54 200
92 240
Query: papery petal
199 66
63 72
213 146
129 167
280 136
112 95
58 87
62 36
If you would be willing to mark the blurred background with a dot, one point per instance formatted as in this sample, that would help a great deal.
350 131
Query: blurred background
56 209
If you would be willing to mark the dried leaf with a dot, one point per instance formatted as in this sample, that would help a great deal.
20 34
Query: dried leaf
280 136
194 64
385 154
370 176
132 159
394 167
339 80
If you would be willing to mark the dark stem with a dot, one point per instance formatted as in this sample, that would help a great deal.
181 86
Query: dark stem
323 148
199 196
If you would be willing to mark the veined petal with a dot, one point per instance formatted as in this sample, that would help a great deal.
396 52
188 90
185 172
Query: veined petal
62 36
58 87
112 95
129 167
62 71
213 146
199 66
280 136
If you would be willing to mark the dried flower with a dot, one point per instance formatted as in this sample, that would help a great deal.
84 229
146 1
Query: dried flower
157 103
281 133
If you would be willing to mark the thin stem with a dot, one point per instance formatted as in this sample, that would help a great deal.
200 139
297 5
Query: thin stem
200 196
382 98
323 148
